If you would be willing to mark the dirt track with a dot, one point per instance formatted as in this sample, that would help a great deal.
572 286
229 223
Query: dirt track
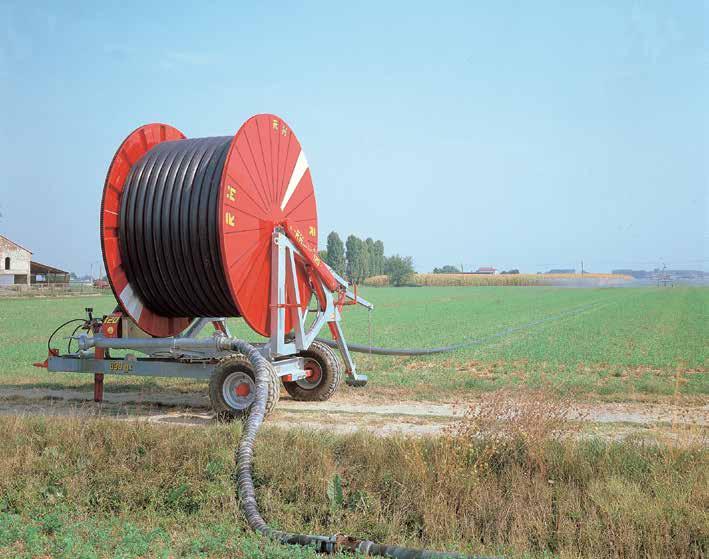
341 414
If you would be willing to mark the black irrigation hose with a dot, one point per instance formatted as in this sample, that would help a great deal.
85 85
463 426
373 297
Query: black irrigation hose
247 493
49 340
71 338
375 350
168 229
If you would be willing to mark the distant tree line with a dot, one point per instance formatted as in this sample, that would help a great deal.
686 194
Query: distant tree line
358 259
448 269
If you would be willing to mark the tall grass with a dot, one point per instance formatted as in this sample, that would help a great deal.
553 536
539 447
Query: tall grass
440 280
503 481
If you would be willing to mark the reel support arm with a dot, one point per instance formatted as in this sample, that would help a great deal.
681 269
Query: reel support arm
331 291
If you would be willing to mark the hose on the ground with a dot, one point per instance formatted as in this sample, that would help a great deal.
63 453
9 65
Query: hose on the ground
376 350
247 493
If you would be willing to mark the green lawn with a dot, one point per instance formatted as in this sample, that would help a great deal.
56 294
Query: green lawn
607 343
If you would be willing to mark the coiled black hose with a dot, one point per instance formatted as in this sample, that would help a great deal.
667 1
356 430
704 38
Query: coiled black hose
168 229
247 493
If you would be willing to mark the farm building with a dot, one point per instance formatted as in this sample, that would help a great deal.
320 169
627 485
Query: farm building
17 267
486 270
14 263
43 274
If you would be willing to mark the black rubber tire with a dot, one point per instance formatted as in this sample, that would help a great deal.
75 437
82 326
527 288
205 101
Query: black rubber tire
332 372
228 365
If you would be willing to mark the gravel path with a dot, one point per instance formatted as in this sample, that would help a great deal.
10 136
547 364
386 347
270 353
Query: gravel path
341 414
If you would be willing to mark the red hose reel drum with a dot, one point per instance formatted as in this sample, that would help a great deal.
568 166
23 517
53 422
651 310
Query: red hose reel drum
265 182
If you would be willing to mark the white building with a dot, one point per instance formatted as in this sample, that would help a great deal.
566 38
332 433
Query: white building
14 263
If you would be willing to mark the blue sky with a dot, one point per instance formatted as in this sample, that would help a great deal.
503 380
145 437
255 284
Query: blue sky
526 135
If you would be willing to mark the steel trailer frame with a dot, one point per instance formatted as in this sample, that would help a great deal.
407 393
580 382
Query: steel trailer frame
188 356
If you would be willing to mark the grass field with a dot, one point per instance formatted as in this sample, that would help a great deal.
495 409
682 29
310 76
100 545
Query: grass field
619 343
85 489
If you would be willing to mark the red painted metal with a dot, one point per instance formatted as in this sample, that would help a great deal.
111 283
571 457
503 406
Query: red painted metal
264 159
133 148
266 183
313 371
98 382
45 364
309 250
111 328
242 390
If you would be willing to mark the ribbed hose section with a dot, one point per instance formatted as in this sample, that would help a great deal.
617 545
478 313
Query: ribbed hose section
169 229
247 493
245 454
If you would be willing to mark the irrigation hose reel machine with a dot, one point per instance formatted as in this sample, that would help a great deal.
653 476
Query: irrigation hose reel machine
194 231
197 230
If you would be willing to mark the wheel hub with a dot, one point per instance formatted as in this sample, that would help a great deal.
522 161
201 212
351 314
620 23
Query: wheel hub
313 375
239 390
242 390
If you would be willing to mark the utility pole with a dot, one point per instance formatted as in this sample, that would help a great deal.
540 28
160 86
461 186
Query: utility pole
98 270
581 268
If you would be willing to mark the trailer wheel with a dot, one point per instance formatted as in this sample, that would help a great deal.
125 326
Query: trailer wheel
232 388
325 374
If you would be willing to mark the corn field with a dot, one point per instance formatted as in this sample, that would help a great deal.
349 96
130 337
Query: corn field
440 280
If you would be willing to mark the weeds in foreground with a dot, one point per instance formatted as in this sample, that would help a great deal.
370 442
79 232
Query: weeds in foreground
510 424
502 482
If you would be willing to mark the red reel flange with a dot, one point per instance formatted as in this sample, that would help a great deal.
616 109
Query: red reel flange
265 183
137 144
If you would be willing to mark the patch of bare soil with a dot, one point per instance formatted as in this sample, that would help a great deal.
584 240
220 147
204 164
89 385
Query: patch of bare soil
343 414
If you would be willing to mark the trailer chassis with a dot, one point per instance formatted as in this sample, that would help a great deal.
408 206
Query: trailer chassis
193 357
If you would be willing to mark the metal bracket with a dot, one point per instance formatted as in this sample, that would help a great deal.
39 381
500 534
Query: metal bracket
198 324
283 267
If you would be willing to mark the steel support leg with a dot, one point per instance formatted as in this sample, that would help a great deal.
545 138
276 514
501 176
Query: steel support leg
353 377
98 377
98 387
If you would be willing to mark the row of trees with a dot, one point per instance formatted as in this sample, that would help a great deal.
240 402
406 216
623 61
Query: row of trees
358 259
448 269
